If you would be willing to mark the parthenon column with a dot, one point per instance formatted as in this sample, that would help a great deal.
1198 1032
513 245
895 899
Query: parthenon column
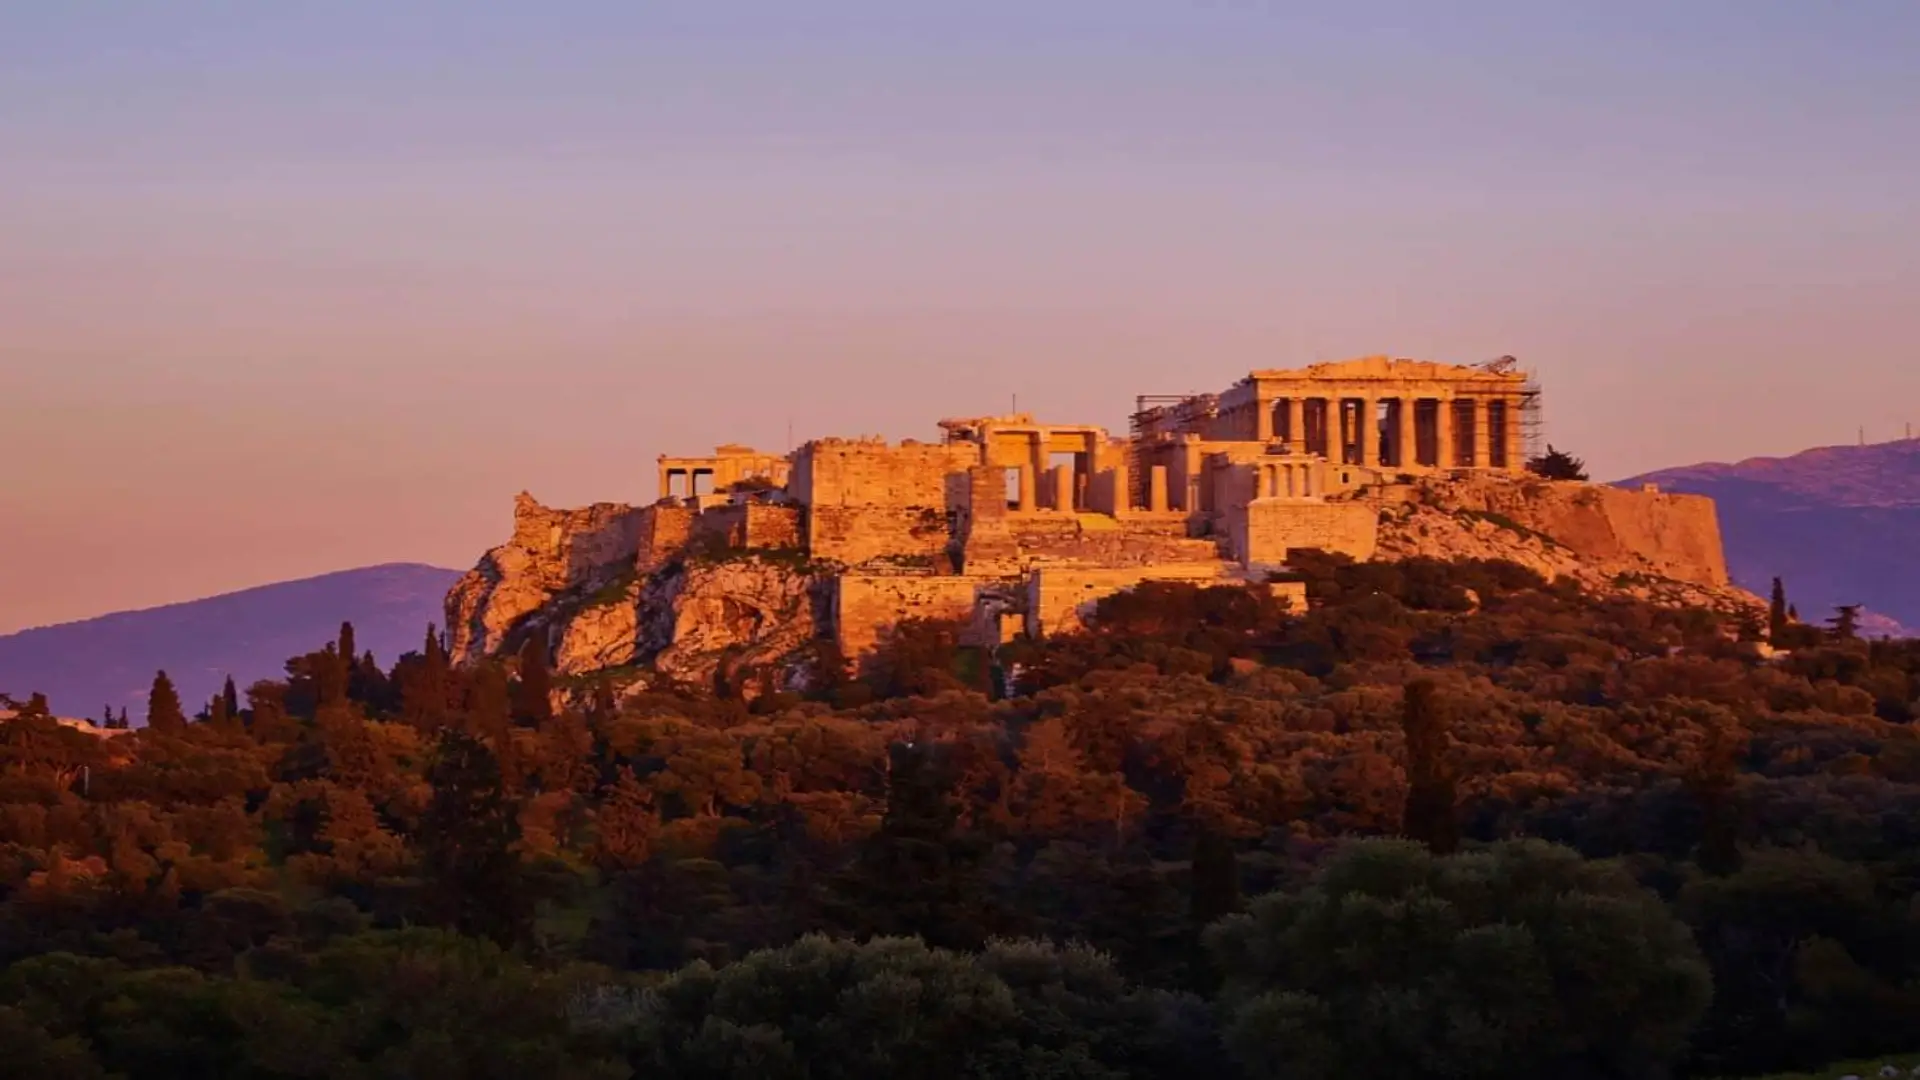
1443 435
1481 428
1370 431
1296 423
1262 417
1406 450
665 490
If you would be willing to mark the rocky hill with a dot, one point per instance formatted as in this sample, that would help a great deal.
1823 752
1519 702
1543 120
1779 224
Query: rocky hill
581 580
110 660
1840 524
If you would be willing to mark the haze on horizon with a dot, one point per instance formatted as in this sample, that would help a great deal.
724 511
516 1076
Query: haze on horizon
291 288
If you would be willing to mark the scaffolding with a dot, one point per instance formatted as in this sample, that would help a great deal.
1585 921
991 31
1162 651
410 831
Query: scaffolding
1533 424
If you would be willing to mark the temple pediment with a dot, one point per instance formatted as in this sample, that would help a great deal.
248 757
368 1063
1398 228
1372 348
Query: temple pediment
1392 369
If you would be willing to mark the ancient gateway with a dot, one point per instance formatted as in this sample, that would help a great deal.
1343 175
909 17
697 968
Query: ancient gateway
1013 525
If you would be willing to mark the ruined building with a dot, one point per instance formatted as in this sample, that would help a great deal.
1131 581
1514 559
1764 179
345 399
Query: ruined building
1009 525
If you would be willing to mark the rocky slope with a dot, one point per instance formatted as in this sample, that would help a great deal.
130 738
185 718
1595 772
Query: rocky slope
568 578
1840 524
1664 550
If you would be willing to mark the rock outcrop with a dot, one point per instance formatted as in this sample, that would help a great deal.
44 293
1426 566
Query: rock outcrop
552 555
705 618
1658 547
601 592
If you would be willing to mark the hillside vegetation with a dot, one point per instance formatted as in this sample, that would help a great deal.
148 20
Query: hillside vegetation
1450 821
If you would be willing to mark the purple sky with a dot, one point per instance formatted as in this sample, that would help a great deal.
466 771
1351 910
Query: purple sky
286 288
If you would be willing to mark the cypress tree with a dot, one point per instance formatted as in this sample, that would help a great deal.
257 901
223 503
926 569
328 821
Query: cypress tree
1429 816
532 697
163 706
231 697
1777 612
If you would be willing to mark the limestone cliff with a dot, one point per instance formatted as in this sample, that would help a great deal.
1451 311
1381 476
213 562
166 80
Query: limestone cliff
552 553
572 579
744 612
1655 546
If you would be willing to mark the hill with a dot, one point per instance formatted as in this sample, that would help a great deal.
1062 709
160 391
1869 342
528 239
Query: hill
1837 523
249 634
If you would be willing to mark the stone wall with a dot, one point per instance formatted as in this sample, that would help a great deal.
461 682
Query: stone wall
664 532
748 525
865 607
1267 529
836 472
1016 542
856 535
1059 598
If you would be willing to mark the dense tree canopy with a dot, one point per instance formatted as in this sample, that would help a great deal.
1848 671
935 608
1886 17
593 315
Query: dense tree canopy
429 870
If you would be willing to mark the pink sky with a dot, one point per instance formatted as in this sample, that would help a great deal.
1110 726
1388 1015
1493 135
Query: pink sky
278 298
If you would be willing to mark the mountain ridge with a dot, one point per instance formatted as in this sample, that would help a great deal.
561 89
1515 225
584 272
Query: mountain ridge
247 633
1838 524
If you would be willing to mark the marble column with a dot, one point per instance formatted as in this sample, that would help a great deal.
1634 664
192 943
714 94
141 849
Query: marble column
1407 447
1029 488
1443 434
1296 423
1482 446
1063 488
1370 443
1157 489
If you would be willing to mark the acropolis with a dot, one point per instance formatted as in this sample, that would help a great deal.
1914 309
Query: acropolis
1013 525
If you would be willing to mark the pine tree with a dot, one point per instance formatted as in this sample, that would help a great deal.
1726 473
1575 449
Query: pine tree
121 724
1777 616
1430 815
163 706
344 648
231 697
1845 624
217 714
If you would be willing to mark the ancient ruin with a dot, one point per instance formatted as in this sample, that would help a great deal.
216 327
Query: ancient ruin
1008 525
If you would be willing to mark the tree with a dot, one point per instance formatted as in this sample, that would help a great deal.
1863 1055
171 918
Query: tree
163 706
533 693
1777 617
840 1010
1429 815
466 839
1519 960
1557 464
1845 623
231 697
919 874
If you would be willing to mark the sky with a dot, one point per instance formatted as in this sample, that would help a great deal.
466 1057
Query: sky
288 288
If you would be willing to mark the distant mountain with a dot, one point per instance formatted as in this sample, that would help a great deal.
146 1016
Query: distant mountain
1840 525
82 666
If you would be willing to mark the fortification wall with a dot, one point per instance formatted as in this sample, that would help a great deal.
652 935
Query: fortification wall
1011 544
663 534
1269 528
855 473
854 535
1059 598
865 607
749 525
